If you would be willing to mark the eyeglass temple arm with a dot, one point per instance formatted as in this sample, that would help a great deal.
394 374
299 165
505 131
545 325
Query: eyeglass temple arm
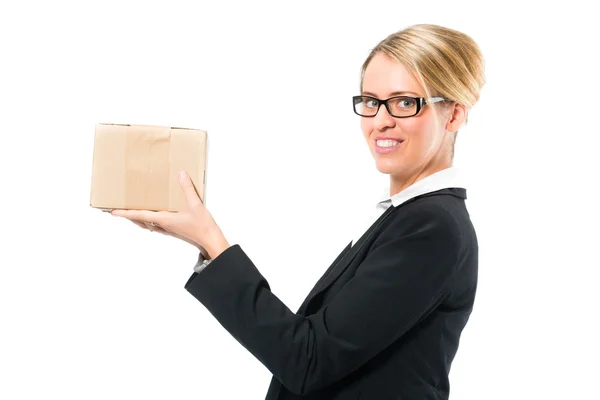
433 100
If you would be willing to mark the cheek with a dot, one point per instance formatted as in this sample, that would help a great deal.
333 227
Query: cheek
418 130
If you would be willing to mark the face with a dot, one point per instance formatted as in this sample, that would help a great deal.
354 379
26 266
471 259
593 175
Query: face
413 154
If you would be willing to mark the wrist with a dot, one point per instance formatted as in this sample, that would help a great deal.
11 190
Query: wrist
216 244
204 253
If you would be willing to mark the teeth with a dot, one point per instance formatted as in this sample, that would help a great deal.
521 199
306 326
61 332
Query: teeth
387 143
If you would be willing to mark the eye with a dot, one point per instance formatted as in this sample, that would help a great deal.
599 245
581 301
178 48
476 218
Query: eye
405 103
371 103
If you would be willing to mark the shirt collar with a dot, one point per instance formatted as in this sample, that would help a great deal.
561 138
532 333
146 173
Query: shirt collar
446 178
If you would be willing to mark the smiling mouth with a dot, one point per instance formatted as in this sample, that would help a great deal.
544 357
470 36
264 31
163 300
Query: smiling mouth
384 143
387 145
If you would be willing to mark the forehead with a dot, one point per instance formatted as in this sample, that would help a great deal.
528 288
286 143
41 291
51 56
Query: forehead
384 76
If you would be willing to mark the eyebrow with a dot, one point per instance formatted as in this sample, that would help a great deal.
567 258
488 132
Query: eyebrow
401 93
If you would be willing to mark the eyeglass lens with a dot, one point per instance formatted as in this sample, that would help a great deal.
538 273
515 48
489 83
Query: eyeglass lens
400 106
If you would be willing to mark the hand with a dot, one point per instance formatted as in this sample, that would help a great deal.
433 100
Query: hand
194 224
157 228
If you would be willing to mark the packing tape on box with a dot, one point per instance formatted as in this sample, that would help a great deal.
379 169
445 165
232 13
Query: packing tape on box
147 168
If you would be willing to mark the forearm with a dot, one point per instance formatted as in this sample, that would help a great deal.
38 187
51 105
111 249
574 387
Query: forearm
235 292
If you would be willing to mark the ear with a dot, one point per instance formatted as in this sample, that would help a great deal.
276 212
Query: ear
458 116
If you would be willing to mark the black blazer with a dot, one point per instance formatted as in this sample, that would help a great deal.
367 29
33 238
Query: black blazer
383 322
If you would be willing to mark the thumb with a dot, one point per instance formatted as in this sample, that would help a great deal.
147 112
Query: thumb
189 190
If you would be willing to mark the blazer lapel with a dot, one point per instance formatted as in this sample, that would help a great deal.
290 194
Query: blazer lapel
344 259
317 285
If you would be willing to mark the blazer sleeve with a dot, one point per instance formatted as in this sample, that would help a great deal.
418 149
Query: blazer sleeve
404 277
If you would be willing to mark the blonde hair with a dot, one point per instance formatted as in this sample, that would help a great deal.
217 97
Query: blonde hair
445 62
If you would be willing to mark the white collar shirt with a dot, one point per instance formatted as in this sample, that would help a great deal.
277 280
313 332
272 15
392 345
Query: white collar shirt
446 178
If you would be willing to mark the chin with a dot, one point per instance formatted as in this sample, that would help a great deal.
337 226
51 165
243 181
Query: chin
388 168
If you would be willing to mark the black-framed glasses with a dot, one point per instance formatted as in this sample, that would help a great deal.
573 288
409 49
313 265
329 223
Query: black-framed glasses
397 106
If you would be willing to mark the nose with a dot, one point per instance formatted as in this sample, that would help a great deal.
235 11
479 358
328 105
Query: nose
383 119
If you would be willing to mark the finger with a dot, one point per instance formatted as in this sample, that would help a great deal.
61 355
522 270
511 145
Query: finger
189 191
145 225
156 228
141 215
141 225
151 228
159 229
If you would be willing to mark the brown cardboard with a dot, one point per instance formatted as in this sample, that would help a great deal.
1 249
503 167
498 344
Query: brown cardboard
136 166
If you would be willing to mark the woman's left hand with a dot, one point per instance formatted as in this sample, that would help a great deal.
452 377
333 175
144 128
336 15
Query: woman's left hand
194 224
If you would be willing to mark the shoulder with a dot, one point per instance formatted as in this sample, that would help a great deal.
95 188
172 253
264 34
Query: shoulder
435 217
444 209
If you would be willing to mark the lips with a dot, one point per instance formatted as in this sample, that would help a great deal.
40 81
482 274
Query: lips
385 150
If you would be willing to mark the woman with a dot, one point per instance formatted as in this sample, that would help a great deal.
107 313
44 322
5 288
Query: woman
385 319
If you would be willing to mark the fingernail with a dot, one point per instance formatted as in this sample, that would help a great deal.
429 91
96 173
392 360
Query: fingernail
182 175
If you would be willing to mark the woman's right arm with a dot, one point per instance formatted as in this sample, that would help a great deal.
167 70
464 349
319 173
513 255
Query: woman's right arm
400 281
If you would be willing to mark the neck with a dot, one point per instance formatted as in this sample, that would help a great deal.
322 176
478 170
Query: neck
399 182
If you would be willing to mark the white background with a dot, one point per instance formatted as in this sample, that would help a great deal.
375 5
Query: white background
92 307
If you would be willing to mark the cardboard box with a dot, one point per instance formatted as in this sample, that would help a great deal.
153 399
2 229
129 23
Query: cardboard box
136 166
